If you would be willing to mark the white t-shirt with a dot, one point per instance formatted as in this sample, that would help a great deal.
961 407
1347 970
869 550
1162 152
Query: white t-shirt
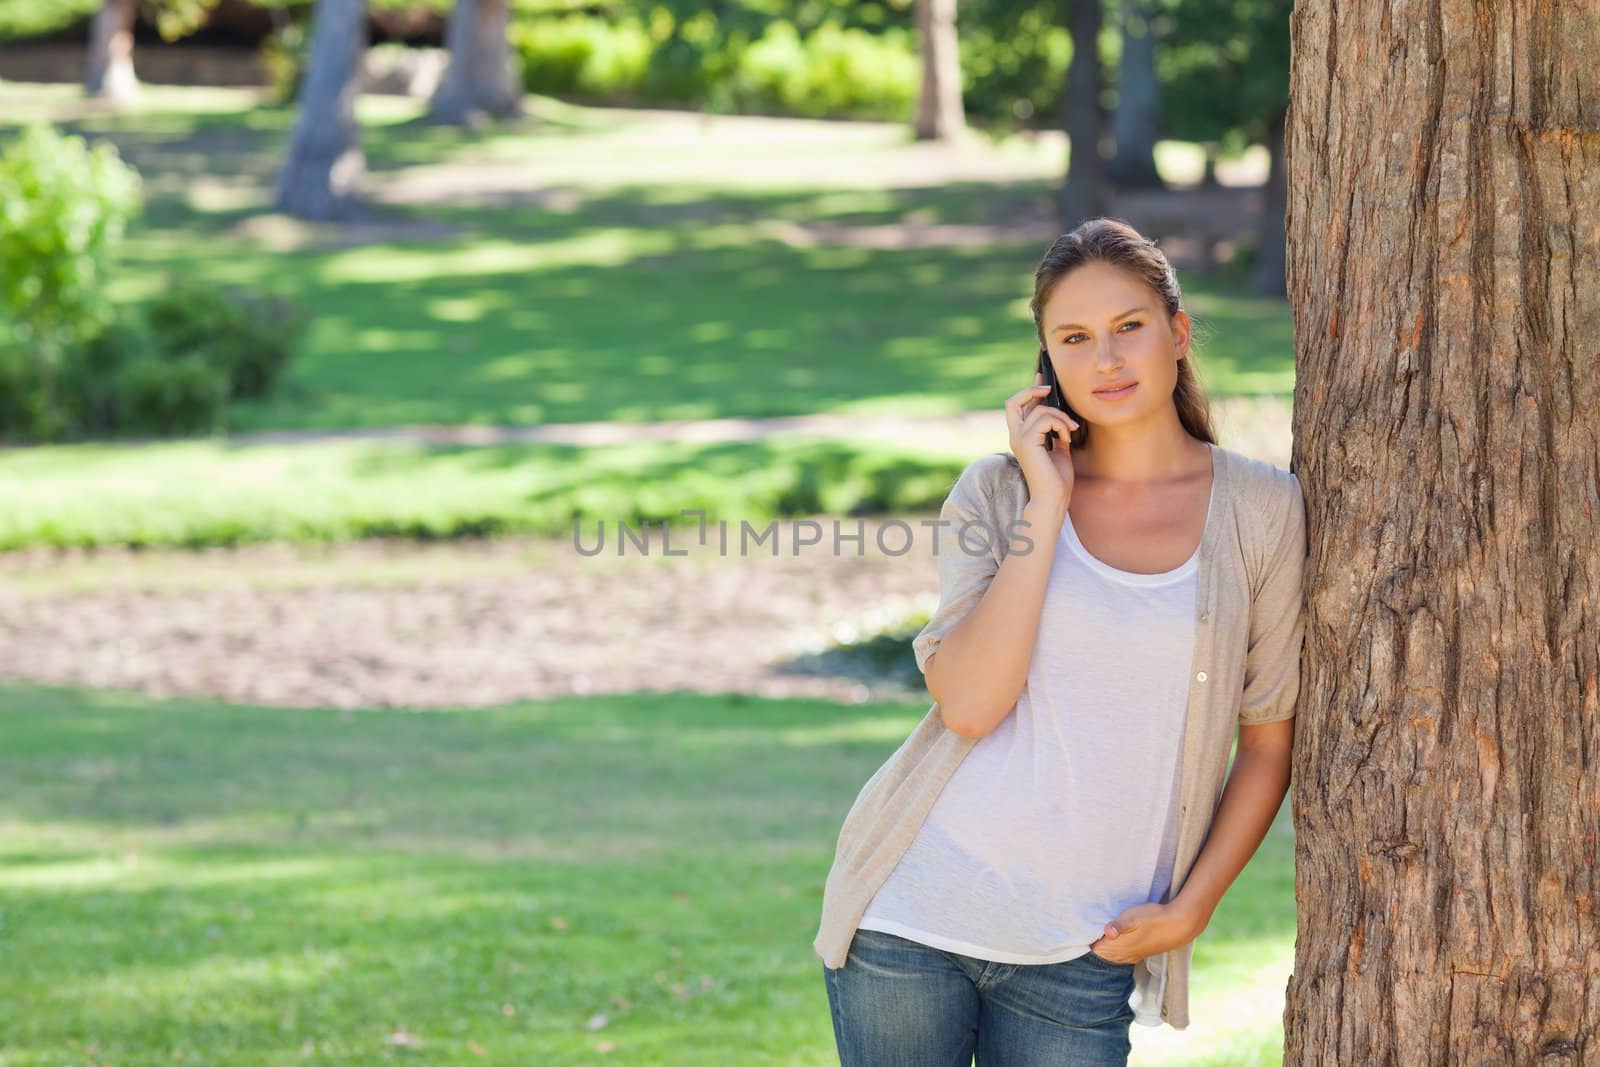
1066 813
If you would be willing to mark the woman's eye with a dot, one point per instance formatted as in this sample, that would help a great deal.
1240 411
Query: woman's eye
1072 338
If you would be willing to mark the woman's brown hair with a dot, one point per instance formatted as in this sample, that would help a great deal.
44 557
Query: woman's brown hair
1114 241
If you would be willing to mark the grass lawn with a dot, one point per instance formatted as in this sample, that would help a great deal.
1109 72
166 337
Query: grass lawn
597 264
183 882
590 264
203 493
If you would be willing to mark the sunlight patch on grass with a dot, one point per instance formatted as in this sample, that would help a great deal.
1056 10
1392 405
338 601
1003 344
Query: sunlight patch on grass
872 730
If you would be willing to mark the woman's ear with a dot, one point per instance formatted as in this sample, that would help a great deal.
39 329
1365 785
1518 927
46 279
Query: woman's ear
1180 332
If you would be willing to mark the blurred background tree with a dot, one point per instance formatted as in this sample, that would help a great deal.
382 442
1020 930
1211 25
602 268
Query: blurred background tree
1224 77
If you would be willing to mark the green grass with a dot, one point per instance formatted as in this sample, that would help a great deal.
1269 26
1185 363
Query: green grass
202 493
190 882
624 275
628 274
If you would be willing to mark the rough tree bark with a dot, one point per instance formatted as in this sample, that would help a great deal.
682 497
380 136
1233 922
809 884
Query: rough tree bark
1083 194
109 72
481 77
1137 119
325 162
1444 269
1271 262
940 115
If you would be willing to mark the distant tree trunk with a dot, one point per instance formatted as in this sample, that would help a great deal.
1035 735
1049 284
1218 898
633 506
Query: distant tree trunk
1208 176
325 162
1271 260
1083 194
1444 270
1136 121
110 68
940 115
481 77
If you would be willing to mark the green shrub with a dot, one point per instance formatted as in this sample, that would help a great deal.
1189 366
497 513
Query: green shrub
248 338
772 70
731 64
63 207
168 368
91 375
695 57
158 395
28 409
284 53
588 56
833 72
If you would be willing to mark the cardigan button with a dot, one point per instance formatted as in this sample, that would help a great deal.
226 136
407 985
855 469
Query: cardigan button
1205 616
1163 1013
1201 676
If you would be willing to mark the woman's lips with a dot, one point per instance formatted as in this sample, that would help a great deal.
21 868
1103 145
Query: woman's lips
1118 394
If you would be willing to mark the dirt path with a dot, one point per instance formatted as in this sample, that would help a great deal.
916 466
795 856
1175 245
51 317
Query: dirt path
381 624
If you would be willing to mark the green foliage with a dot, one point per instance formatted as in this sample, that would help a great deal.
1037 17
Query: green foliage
177 18
168 369
156 395
248 338
32 18
63 208
1014 60
833 71
72 366
284 53
584 56
1224 70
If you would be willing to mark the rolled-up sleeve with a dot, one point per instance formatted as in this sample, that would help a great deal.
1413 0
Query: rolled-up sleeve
1277 620
967 564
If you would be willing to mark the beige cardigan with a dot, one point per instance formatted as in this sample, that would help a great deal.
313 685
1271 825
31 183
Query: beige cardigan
1246 670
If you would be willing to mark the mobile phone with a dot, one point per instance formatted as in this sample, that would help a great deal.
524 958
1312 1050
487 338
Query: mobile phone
1055 398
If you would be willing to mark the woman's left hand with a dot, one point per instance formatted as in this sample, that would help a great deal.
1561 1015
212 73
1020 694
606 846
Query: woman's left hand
1147 930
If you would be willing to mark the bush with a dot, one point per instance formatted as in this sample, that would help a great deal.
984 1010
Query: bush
591 57
63 207
159 395
169 368
249 339
833 72
28 410
284 53
91 375
72 365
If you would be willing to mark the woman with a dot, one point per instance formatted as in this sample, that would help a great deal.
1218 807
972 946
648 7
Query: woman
1026 875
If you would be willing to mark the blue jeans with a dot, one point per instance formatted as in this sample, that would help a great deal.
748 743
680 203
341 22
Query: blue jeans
897 1003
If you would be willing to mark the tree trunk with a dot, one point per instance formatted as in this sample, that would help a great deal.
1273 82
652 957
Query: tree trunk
110 68
1083 194
940 115
1137 119
481 77
325 162
1444 268
1273 245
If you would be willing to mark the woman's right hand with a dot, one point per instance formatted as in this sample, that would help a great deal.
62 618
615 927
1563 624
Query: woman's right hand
1049 472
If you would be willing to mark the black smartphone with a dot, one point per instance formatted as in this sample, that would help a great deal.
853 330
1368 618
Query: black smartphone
1055 398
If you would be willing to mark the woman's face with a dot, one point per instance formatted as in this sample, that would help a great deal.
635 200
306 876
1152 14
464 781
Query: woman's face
1104 327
